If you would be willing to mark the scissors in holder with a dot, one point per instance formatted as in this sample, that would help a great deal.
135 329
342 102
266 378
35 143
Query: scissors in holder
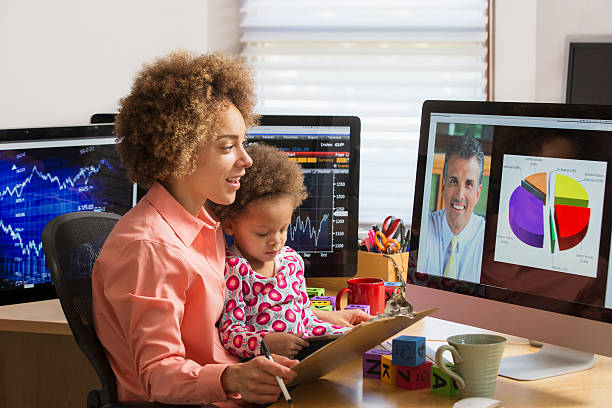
395 228
386 245
391 226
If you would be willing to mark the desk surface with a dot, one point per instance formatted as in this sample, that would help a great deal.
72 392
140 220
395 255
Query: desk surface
44 317
345 387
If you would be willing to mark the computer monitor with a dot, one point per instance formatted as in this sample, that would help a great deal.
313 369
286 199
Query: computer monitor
324 228
45 172
526 190
588 73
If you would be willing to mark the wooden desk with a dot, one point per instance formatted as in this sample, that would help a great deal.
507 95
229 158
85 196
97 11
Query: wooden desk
41 366
345 387
40 363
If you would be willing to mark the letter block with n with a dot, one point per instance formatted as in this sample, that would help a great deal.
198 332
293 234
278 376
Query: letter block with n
414 378
441 383
371 362
388 372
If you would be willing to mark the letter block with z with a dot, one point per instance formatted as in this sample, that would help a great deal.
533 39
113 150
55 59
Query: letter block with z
408 351
371 362
441 383
414 378
388 371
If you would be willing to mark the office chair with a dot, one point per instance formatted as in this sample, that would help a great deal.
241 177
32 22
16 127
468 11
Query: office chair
71 243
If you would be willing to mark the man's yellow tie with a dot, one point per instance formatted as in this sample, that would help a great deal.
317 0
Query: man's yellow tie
450 271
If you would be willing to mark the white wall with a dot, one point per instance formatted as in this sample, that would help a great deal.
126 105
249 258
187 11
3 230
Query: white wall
63 60
530 44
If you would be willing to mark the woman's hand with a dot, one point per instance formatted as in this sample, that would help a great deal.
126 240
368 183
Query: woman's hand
346 317
285 344
255 380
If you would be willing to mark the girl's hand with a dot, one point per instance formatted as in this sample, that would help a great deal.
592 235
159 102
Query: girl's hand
255 380
285 344
346 317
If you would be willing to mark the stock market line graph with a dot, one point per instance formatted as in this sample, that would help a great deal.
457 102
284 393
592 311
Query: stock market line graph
311 228
308 235
37 184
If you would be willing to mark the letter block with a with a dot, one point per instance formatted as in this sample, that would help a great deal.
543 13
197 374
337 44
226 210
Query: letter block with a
414 378
441 383
408 351
371 362
388 371
330 299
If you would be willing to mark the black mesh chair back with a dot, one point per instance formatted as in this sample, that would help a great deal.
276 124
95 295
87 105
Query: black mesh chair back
72 243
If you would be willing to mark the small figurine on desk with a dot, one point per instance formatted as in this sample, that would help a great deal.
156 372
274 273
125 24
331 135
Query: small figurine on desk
397 305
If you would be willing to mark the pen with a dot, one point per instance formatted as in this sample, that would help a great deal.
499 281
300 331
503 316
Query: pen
280 381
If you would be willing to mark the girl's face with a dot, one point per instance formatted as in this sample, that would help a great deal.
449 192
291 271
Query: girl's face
220 164
260 231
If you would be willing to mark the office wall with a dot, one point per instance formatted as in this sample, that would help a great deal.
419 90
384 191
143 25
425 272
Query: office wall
62 60
531 40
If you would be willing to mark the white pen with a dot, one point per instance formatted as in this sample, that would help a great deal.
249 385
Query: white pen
280 381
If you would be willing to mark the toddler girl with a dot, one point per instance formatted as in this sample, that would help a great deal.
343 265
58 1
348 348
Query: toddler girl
265 285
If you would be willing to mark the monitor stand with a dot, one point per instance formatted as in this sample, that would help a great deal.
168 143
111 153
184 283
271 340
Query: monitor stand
549 361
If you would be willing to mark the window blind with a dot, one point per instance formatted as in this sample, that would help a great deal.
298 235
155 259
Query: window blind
378 60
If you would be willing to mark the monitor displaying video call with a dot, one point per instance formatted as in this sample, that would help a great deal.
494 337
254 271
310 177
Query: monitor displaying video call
515 206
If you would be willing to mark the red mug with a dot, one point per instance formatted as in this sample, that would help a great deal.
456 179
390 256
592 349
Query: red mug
365 291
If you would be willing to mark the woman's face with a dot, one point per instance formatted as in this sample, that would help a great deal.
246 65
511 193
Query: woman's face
220 164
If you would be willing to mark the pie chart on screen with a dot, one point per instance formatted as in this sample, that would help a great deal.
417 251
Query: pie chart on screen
565 219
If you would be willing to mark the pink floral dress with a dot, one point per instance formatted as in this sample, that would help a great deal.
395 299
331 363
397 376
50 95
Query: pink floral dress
256 305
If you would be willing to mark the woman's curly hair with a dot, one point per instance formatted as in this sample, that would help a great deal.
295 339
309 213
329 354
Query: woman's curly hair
271 175
172 108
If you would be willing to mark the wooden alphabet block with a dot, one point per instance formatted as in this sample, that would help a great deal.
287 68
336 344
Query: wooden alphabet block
365 308
408 351
371 362
388 371
321 306
330 299
414 378
391 288
441 383
315 292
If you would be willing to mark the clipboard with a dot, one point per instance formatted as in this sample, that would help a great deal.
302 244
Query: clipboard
352 345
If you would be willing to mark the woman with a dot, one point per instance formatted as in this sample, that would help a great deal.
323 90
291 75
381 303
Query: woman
158 282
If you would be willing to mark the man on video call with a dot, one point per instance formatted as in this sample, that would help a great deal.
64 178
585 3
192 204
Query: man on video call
453 246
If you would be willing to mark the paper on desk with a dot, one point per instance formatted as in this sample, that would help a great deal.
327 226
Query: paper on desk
352 345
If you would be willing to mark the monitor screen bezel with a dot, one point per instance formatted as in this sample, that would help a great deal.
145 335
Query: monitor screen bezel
571 56
46 291
348 267
596 112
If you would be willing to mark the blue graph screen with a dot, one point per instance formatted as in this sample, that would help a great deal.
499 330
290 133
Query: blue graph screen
39 181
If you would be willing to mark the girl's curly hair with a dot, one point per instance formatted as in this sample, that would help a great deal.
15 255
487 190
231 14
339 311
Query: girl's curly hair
172 108
271 174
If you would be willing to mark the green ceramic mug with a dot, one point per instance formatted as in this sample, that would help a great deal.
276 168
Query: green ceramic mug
476 358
